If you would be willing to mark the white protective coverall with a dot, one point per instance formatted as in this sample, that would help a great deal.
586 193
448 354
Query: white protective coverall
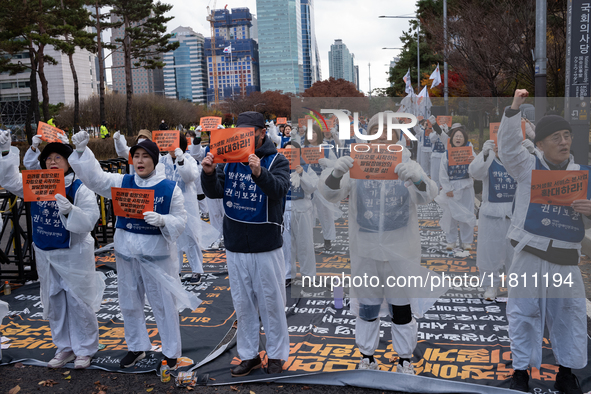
146 263
439 144
215 207
494 251
198 234
459 209
326 212
298 220
71 288
424 150
384 241
562 308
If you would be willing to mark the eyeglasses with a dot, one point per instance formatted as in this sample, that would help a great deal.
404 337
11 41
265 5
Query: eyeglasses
557 139
56 158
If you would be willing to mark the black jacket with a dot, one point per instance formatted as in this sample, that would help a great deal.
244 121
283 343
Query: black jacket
255 238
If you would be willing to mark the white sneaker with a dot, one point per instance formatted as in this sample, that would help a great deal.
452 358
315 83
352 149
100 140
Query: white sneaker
82 362
467 246
406 367
490 294
365 364
61 359
450 246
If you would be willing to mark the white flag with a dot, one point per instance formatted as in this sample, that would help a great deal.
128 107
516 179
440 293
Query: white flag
422 95
406 79
436 77
228 49
424 103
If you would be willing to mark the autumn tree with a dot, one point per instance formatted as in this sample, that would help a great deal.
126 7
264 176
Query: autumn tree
333 88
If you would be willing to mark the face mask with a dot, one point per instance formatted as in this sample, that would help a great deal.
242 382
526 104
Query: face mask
141 139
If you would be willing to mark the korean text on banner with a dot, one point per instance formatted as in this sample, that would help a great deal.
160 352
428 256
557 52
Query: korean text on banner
441 120
132 203
167 140
460 156
43 185
232 145
281 121
375 161
494 130
293 155
48 133
210 123
311 155
558 187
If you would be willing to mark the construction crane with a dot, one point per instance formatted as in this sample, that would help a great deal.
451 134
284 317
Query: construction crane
211 19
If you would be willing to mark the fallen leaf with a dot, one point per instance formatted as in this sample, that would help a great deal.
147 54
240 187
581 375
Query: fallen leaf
19 365
234 388
66 373
68 377
189 388
252 392
15 389
42 382
113 377
101 392
150 389
211 379
305 387
48 383
97 382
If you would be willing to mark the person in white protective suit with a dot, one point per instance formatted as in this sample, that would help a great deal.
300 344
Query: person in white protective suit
494 253
252 232
145 249
215 207
424 148
456 198
71 289
182 169
191 136
384 242
298 237
547 240
121 145
439 142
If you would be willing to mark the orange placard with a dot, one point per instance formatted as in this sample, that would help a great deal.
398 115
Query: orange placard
210 123
293 155
311 155
48 133
302 122
281 121
167 140
375 161
130 158
43 185
441 120
460 156
494 130
558 187
232 145
132 203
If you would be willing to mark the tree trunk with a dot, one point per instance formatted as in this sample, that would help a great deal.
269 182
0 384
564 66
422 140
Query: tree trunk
76 100
34 105
128 84
44 88
101 65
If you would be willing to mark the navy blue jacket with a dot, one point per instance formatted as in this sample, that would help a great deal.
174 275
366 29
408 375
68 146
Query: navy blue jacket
255 238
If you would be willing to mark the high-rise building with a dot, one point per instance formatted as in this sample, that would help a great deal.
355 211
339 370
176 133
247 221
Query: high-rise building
392 65
280 45
142 80
185 75
236 56
340 62
310 52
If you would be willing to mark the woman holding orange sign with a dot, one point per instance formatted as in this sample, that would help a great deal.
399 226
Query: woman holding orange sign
457 194
71 289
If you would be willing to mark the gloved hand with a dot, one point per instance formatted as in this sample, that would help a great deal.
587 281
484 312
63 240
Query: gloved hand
529 145
342 166
80 140
178 153
323 162
488 147
199 128
221 126
530 129
432 119
63 204
117 135
197 141
5 140
63 138
295 179
36 141
411 170
154 219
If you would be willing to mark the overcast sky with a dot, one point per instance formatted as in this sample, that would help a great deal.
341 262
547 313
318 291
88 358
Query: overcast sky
355 22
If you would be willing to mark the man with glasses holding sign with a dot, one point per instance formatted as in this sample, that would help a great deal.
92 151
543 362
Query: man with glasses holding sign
552 210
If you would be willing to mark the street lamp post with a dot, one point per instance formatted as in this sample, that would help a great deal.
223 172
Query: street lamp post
418 47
